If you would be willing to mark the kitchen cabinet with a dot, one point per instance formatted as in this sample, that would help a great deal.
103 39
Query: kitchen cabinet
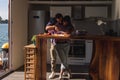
79 9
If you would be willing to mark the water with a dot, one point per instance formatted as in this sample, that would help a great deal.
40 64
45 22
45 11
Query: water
3 34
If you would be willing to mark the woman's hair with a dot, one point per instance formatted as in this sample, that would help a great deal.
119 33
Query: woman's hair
67 19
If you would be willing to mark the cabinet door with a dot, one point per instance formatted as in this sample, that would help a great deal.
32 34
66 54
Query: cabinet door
64 10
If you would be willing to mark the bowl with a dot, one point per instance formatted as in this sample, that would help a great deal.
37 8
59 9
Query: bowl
80 32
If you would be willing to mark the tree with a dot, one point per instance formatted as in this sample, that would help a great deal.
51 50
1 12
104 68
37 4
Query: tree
0 18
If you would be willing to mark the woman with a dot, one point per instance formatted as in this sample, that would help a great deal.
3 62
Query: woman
63 46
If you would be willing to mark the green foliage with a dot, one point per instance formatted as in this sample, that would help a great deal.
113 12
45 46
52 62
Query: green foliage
33 38
0 18
3 21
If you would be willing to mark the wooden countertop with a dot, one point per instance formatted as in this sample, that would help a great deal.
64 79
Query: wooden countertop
30 46
88 37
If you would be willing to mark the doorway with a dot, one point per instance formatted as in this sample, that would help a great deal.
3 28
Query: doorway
5 56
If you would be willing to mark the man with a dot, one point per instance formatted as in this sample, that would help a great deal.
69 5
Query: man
51 30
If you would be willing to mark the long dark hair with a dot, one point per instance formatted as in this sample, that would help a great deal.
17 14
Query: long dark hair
67 19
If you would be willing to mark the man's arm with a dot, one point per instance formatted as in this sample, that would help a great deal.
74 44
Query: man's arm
50 27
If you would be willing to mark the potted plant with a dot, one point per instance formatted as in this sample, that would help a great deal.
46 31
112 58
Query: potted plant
33 39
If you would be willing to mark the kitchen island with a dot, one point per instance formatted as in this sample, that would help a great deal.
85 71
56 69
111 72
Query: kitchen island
105 62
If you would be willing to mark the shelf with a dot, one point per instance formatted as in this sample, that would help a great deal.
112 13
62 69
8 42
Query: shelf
30 67
29 62
30 57
70 2
30 53
29 72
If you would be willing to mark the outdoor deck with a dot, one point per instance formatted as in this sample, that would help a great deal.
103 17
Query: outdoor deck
79 72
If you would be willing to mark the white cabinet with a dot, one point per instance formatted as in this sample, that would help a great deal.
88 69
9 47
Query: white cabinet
64 10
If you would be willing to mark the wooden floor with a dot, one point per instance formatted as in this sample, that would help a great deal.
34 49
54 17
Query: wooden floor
78 73
15 76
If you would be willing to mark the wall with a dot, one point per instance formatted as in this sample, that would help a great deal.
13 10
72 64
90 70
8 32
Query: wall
96 11
19 31
90 11
89 25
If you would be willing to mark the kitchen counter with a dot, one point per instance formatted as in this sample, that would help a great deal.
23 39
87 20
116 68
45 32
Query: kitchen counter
105 62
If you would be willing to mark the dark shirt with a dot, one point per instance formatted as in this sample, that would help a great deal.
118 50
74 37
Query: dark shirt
52 22
61 29
68 29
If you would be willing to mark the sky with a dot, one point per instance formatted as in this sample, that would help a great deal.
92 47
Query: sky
4 9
